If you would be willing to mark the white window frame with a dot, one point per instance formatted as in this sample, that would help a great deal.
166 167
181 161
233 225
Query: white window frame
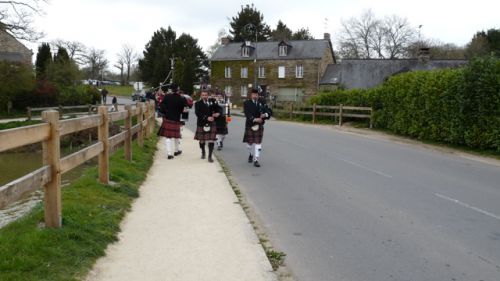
299 71
244 72
227 72
283 50
281 72
244 91
245 52
262 71
228 90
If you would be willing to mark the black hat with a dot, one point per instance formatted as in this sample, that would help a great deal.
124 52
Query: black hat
254 91
174 87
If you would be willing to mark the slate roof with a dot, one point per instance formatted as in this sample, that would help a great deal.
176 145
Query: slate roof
368 73
300 49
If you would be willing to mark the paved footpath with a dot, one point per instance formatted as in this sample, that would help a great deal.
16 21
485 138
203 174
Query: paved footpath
187 225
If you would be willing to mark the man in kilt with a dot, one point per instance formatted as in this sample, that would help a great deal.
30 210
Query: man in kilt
256 112
206 111
171 108
221 121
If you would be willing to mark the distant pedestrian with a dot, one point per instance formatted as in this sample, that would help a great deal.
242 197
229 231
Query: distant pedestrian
256 112
206 110
115 103
104 93
171 108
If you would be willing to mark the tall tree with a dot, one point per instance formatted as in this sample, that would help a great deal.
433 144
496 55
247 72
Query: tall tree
247 23
16 18
96 63
302 34
211 49
129 57
398 36
493 36
43 60
120 64
281 32
76 50
190 62
63 71
156 63
61 55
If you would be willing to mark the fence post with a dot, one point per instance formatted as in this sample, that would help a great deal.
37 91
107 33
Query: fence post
103 136
340 115
29 112
90 109
128 138
51 157
291 110
140 134
314 113
371 118
153 119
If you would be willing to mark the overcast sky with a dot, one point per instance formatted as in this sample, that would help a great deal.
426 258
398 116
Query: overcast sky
109 24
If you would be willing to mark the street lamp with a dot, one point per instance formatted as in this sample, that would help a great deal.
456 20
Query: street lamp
255 57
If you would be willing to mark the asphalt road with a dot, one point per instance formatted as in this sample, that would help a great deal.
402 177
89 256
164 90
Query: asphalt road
344 206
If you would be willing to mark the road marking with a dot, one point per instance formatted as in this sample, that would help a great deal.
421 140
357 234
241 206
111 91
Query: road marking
468 206
365 168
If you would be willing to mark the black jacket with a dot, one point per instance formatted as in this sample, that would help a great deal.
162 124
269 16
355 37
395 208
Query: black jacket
254 110
203 111
172 107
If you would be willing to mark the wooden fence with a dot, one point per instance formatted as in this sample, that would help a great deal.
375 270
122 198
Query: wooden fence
50 132
81 109
339 111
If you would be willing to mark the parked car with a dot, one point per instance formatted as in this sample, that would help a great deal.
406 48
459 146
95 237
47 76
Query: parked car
139 96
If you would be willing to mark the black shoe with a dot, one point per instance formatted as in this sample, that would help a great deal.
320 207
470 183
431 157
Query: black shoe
221 144
256 164
177 153
219 148
203 156
210 160
170 157
250 158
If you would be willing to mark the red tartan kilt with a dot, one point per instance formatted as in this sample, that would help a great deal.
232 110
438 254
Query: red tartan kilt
252 137
206 136
170 129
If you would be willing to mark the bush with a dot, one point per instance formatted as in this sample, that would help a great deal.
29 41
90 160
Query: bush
456 106
15 80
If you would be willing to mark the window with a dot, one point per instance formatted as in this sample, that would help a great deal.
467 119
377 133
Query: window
245 52
281 72
244 72
244 91
227 72
283 51
262 72
299 71
228 90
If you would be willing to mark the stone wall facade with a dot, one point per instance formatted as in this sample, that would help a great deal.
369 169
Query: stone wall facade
13 50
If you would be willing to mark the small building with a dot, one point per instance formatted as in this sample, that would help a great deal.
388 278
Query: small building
288 70
369 73
12 50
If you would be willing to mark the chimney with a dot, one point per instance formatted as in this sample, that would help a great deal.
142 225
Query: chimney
224 41
326 36
424 55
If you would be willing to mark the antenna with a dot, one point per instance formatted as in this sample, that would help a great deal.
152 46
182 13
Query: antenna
326 24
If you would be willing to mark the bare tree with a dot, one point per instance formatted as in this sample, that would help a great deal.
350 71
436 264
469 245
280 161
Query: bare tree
368 37
16 18
128 56
96 62
120 64
211 50
76 50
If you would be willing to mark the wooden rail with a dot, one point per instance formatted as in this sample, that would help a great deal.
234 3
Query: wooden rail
50 132
319 110
89 109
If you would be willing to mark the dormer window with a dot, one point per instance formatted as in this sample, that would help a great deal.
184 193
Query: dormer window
283 50
245 52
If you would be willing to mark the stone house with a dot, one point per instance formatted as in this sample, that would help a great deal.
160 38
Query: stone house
288 70
12 50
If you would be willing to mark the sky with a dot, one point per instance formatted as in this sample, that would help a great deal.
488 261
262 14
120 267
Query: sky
109 24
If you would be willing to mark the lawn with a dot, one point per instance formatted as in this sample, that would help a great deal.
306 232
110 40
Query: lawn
92 213
123 91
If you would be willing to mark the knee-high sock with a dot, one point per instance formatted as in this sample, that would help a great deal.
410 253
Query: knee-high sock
250 149
202 146
258 149
210 149
177 145
220 139
168 145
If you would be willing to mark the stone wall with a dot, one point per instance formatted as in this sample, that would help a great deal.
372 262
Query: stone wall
12 50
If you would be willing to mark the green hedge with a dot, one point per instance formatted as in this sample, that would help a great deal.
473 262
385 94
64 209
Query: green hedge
456 106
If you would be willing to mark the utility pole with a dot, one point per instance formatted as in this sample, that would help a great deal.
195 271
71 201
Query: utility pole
172 61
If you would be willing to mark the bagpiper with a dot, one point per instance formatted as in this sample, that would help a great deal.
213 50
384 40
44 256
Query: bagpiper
256 113
171 108
222 120
206 111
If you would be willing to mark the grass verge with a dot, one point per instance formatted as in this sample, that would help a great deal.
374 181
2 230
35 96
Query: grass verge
15 124
92 213
122 91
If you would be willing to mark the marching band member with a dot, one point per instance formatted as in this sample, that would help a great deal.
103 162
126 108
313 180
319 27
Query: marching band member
221 121
206 111
172 107
256 112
